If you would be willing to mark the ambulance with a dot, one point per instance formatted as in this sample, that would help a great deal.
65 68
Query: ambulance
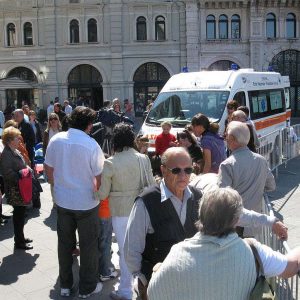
207 92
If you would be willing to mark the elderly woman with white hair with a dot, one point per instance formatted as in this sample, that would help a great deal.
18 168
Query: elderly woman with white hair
216 263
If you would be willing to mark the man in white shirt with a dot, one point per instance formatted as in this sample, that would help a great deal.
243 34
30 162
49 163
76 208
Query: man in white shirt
67 107
73 163
50 108
215 263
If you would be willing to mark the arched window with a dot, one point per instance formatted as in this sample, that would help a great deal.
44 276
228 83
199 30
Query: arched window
148 79
271 26
74 32
223 27
141 29
92 31
28 34
85 86
222 65
160 28
287 63
11 34
210 27
22 73
291 26
235 27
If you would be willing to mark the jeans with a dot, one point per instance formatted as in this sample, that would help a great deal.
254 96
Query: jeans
105 226
19 221
86 222
119 227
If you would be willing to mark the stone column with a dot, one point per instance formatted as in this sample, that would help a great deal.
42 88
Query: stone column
192 35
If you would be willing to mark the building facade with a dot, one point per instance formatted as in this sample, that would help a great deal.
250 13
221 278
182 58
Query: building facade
92 50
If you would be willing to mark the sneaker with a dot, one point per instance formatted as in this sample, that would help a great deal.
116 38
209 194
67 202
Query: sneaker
65 292
116 296
2 221
96 291
112 275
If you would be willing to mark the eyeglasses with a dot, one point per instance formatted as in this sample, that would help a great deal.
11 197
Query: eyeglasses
54 119
177 171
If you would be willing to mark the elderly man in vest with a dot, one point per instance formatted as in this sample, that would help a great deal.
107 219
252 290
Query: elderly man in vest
245 171
165 214
162 216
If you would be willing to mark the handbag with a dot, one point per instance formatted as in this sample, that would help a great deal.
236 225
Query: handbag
25 185
262 289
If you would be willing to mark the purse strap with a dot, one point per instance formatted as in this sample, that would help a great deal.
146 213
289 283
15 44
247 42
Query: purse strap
141 171
258 263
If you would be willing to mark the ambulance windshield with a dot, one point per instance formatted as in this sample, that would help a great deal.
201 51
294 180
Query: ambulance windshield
180 107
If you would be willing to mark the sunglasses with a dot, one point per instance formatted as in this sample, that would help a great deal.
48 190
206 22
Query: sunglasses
54 119
177 171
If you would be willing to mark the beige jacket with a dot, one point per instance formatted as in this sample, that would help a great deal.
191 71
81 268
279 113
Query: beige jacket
121 180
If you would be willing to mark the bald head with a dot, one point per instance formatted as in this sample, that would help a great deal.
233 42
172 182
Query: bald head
240 116
174 153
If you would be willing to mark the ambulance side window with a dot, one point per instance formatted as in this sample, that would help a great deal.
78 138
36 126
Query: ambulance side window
240 98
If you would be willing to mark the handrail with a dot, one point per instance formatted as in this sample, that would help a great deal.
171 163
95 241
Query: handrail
280 146
286 289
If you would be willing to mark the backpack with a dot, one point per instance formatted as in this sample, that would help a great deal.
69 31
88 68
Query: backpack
262 289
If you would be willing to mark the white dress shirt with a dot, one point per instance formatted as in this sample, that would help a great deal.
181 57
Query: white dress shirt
76 159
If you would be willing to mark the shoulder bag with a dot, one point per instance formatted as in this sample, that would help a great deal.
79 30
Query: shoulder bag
262 289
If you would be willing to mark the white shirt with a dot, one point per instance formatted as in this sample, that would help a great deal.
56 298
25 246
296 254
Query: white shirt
26 118
68 109
50 109
274 263
76 159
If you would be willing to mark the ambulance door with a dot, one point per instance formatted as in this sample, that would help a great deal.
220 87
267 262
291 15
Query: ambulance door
240 98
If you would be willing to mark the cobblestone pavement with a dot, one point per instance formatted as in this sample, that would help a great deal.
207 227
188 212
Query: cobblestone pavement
34 274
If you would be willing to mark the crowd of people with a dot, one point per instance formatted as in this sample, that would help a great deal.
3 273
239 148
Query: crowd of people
179 233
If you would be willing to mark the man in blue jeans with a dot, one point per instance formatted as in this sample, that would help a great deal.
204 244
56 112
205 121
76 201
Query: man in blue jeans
73 164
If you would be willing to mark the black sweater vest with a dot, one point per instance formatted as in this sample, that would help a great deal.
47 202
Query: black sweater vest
168 229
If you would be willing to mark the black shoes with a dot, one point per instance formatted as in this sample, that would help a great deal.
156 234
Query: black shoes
23 246
27 241
5 217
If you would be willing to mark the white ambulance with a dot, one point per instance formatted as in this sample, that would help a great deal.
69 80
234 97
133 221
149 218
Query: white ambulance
207 92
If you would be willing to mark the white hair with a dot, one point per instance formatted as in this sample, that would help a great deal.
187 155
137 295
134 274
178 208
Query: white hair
239 131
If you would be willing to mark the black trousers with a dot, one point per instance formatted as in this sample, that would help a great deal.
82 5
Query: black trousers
86 222
19 221
2 192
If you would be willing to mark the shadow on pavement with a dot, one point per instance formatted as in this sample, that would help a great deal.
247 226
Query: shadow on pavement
6 230
50 221
16 264
288 183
